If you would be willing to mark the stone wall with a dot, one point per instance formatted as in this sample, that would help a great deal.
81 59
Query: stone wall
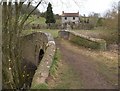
83 40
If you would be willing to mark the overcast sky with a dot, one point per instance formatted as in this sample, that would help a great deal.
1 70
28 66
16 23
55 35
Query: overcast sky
83 6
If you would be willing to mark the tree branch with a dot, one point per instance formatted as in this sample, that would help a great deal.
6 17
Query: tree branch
26 17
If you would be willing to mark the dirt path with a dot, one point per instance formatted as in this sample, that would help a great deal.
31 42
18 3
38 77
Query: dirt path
83 70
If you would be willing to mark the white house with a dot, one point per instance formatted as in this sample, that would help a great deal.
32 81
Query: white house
70 18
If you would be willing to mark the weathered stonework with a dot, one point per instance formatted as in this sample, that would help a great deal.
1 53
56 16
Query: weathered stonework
32 44
83 40
42 71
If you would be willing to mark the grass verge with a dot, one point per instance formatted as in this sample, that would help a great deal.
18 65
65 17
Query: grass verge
54 65
40 86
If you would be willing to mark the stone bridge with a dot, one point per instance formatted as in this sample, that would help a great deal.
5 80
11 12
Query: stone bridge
34 47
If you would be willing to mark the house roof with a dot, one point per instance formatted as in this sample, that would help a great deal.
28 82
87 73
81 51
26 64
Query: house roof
70 14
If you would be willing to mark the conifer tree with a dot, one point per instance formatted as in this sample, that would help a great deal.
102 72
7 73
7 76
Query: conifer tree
49 15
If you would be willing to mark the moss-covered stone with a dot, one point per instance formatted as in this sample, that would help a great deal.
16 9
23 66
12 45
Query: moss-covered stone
84 40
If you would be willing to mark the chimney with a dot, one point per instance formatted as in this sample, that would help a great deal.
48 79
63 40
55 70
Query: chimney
62 12
78 12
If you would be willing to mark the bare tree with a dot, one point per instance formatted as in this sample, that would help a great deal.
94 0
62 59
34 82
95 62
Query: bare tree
12 26
111 17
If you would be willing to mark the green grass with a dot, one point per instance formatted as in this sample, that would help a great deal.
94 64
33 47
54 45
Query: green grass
53 32
54 65
40 86
69 79
66 78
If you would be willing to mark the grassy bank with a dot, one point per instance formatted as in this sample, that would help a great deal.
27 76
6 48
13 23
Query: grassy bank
55 62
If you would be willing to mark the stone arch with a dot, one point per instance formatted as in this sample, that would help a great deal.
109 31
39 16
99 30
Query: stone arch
41 54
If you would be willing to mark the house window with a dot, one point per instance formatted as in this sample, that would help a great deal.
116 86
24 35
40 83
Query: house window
87 20
65 18
73 22
73 18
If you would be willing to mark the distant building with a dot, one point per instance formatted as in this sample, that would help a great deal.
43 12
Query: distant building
70 18
74 20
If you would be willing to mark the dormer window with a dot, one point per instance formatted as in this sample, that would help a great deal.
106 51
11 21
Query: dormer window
73 18
65 18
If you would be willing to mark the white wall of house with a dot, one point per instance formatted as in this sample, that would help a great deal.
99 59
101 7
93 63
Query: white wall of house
70 19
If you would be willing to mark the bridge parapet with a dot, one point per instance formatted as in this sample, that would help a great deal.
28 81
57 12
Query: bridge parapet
83 40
